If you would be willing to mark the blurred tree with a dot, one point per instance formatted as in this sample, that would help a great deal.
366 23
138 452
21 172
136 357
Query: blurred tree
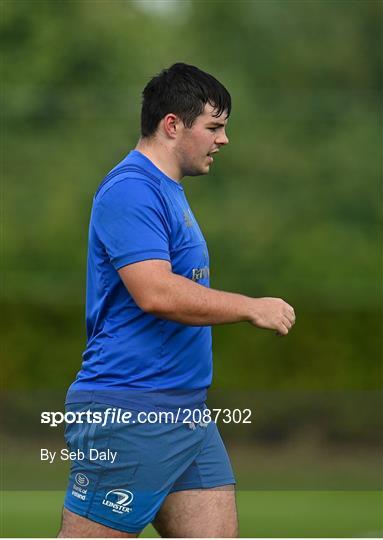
290 209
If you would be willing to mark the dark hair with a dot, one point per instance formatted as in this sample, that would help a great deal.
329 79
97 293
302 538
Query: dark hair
183 90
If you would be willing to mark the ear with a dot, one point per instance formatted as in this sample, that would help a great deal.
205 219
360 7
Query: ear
171 124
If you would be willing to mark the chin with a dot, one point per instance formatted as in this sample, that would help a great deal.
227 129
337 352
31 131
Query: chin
205 169
198 172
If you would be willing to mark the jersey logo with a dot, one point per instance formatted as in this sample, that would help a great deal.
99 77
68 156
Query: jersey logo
188 219
200 273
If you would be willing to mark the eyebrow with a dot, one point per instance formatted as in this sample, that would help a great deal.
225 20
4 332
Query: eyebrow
216 123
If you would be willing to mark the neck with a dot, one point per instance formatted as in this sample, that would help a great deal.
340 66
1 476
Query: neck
161 155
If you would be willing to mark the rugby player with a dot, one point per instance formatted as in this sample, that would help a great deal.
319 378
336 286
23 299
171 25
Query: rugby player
149 312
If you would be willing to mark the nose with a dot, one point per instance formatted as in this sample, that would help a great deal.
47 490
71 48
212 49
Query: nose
222 139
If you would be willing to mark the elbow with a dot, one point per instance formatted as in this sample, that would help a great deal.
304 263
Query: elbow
147 306
153 305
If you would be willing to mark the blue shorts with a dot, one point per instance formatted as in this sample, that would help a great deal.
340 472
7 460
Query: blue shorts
121 473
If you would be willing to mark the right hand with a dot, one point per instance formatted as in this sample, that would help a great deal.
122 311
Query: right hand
272 314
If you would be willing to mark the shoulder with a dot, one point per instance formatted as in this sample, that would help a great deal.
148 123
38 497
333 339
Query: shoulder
129 187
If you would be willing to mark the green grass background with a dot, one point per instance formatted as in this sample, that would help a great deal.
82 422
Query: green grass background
300 489
261 513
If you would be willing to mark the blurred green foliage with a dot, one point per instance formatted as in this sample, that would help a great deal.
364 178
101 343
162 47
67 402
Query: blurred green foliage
291 208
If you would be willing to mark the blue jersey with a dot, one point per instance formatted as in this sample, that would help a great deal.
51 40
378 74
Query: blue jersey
139 213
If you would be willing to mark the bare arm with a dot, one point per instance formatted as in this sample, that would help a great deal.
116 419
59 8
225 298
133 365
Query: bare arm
157 290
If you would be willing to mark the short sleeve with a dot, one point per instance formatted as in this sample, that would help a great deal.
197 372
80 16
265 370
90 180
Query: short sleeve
130 219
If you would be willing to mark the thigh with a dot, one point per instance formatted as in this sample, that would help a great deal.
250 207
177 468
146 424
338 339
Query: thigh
75 526
203 513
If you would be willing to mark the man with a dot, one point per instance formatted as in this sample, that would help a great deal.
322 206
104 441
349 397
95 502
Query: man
149 312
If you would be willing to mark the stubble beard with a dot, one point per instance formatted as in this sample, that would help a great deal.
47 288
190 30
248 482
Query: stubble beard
193 169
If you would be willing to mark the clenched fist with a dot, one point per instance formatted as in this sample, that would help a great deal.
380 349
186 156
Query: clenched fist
271 313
